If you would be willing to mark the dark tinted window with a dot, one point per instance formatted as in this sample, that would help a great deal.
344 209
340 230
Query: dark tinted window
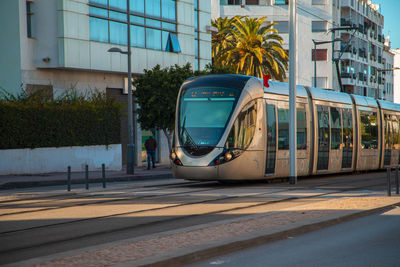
369 129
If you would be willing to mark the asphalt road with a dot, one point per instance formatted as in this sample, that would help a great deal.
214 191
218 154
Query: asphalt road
368 241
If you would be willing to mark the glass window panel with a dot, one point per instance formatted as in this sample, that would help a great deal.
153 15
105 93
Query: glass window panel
175 43
100 2
153 39
196 64
196 4
138 36
369 130
301 126
336 128
282 26
323 137
169 26
98 30
153 23
118 15
347 138
168 9
118 4
118 33
137 20
98 11
136 6
196 49
283 128
167 46
153 8
271 139
196 20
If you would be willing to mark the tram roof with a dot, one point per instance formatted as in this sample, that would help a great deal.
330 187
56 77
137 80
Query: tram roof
365 101
389 105
281 88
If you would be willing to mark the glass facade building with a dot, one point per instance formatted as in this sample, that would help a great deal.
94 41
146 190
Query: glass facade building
153 23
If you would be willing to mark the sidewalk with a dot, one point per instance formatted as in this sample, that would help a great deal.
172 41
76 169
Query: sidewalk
186 245
60 178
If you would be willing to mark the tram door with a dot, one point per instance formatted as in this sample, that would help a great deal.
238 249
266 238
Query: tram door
271 140
347 156
323 138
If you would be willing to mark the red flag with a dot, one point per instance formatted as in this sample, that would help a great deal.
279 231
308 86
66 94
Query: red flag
266 79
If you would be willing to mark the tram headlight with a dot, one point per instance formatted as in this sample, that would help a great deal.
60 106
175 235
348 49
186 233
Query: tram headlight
173 155
228 156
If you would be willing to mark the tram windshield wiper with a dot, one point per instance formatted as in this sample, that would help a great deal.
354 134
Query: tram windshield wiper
189 140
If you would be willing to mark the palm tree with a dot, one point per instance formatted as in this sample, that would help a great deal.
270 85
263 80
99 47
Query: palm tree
251 48
222 39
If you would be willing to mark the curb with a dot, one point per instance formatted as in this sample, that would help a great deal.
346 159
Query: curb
28 184
217 248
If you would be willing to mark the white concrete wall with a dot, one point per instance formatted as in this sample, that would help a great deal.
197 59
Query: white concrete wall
46 160
396 75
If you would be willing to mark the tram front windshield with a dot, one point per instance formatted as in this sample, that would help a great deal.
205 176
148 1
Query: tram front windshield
203 115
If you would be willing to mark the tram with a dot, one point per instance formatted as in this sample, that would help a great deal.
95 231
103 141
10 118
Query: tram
232 127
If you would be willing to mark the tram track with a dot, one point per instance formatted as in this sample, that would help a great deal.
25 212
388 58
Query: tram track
141 218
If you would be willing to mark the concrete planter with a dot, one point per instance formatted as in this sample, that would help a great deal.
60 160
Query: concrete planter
52 159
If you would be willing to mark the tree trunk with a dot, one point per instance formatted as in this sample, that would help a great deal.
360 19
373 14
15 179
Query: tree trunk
168 134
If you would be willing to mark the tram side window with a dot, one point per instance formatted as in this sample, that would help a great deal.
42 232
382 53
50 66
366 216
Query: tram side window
283 127
369 130
243 129
389 136
347 128
336 128
396 132
301 127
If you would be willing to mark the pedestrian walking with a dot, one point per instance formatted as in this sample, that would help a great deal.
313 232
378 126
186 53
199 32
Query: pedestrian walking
150 146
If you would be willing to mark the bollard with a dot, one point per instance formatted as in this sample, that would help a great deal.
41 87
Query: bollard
87 176
396 179
103 173
69 178
389 193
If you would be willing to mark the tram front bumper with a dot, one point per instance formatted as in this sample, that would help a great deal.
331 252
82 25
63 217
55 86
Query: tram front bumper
195 173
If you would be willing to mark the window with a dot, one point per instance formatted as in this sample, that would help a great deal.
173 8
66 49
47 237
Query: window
281 2
321 2
251 2
323 137
243 128
153 23
233 2
319 26
283 127
196 34
347 138
336 128
29 15
282 26
319 54
271 139
369 130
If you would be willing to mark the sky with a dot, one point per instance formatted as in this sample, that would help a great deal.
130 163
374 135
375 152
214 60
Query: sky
390 9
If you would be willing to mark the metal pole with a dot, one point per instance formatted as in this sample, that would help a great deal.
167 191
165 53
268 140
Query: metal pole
69 178
315 64
87 176
389 193
103 174
396 177
130 148
292 93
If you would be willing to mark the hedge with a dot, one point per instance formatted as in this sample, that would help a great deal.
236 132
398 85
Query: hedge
71 120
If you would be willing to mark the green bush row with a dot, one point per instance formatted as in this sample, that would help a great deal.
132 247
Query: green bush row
70 120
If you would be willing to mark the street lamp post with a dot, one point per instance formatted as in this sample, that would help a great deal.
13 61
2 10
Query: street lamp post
130 148
292 93
315 55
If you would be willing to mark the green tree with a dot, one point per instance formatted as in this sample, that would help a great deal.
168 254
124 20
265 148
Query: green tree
156 93
222 40
250 47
